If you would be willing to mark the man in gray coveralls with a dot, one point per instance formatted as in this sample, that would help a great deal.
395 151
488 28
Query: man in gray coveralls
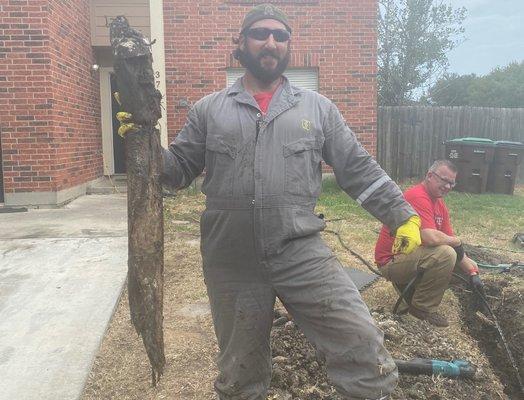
262 142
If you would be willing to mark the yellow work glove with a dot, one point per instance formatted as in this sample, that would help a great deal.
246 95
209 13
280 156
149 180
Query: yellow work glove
407 237
126 120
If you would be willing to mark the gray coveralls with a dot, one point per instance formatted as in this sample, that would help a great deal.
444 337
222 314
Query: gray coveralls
260 237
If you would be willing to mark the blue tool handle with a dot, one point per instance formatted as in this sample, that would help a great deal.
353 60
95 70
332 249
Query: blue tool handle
451 369
445 368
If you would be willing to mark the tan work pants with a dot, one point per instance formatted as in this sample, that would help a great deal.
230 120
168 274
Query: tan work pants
438 263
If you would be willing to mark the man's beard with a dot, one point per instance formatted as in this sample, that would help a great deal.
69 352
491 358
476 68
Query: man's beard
253 64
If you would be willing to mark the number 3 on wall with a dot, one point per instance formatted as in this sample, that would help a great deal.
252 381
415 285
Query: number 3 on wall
157 79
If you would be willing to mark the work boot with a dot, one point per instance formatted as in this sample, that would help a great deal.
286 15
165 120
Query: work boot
433 318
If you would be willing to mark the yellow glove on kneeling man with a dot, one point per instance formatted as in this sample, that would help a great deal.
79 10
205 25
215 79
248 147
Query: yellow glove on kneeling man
407 237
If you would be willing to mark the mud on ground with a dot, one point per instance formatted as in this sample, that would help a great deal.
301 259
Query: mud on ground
298 374
121 370
504 290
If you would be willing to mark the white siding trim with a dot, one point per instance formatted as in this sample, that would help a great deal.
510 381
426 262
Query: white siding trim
106 120
104 11
156 13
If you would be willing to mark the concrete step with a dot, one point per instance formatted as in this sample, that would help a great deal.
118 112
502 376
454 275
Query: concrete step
108 185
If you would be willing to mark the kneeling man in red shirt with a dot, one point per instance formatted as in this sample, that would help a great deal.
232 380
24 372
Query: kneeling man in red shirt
440 252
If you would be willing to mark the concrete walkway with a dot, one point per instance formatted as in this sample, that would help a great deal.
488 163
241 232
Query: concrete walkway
61 274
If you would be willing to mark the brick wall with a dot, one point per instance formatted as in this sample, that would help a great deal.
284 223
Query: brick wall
337 36
49 103
49 108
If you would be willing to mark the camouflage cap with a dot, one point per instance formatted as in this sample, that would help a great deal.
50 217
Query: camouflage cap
264 11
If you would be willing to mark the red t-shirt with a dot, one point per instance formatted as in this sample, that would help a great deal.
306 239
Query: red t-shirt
263 99
433 215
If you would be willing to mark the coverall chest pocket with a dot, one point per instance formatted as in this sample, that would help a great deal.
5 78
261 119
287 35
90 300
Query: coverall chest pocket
302 161
220 167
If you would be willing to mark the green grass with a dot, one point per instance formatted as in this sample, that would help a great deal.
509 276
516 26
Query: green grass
479 219
492 214
335 203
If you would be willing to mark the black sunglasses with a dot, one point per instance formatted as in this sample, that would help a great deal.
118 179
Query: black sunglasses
280 35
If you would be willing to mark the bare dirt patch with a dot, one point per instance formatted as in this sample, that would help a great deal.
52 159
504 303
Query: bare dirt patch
505 294
121 370
298 374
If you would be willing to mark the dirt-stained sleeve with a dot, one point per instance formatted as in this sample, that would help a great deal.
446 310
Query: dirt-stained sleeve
184 160
359 175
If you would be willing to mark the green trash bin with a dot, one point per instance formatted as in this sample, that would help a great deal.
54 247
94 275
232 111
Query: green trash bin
473 157
503 171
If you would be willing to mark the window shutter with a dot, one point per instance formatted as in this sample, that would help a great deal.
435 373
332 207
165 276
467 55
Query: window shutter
305 78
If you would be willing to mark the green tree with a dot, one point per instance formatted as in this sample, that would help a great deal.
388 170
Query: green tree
451 90
414 37
502 87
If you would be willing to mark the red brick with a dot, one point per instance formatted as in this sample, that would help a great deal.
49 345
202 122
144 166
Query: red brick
41 93
336 36
45 83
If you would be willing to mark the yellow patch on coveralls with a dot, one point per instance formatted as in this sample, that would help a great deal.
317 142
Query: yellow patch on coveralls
306 125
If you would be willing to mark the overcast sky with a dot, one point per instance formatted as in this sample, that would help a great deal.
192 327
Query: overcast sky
494 36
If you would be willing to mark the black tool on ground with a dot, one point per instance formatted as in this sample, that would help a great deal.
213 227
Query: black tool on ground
424 366
353 253
361 279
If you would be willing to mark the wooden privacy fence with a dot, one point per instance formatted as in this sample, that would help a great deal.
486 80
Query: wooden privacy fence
410 138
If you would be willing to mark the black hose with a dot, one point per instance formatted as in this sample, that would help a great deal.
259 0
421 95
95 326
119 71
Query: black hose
355 254
405 291
481 296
